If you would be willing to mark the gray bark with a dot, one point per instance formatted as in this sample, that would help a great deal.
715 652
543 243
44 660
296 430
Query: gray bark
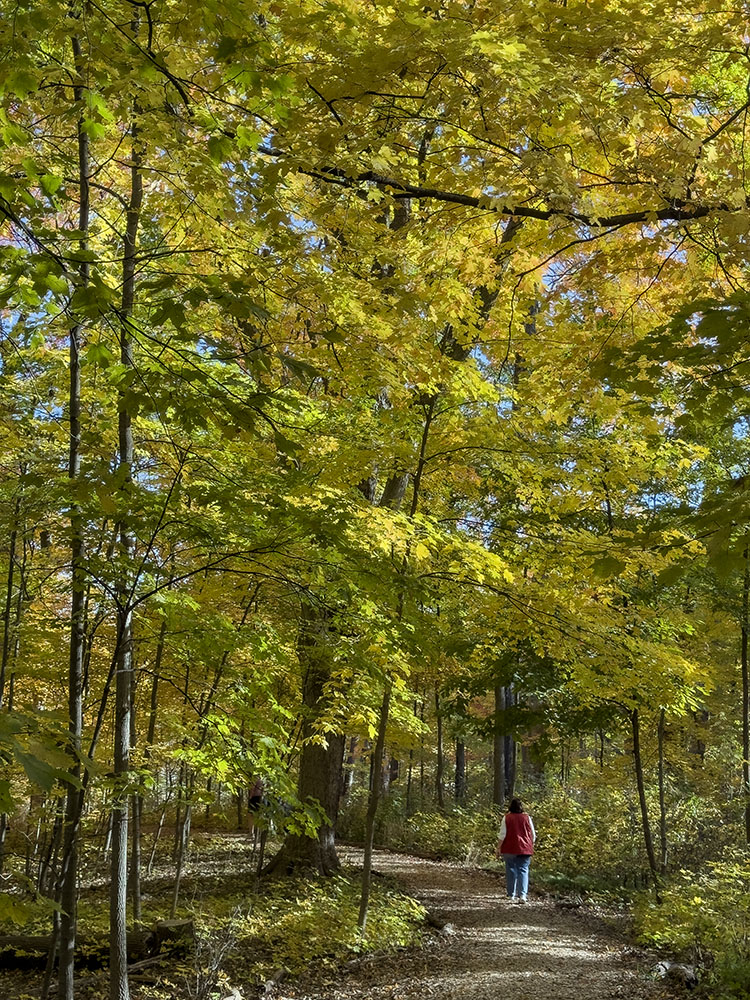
498 757
74 797
118 962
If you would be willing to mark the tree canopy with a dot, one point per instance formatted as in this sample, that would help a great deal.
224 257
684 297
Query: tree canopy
372 377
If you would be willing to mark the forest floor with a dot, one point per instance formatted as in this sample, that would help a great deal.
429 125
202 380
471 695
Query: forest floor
491 948
484 946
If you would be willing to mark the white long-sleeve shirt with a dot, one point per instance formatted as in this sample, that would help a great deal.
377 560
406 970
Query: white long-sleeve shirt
503 830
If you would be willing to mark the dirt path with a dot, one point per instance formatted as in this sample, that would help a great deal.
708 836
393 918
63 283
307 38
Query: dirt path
497 949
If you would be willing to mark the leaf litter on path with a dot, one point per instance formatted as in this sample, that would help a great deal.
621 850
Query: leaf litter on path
497 949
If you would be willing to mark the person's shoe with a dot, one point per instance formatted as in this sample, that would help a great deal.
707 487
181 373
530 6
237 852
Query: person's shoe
522 899
512 899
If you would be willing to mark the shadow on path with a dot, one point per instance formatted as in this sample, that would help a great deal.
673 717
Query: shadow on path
498 950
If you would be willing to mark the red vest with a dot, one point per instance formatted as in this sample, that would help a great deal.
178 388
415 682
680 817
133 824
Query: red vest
518 837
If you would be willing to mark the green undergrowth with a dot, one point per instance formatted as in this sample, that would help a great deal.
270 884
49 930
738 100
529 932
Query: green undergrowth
248 931
454 834
704 918
294 923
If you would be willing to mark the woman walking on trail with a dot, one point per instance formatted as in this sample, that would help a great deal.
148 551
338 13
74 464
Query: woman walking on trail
516 845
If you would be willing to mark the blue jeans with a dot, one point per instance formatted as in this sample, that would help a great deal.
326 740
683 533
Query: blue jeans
517 874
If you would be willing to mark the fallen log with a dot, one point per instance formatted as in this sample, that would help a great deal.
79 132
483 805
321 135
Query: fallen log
27 950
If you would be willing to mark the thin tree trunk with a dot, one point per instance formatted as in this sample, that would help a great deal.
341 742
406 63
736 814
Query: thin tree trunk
136 803
181 854
746 696
181 782
74 797
372 805
156 837
646 825
10 637
348 776
372 808
118 954
498 762
510 749
460 782
118 898
7 627
440 768
510 760
662 801
421 750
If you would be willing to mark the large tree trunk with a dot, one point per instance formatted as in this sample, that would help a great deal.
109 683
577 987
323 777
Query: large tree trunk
320 764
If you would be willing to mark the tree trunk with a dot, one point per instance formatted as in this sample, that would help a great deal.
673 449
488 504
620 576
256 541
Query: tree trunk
181 854
746 697
136 804
440 765
421 749
7 614
638 762
510 762
320 764
74 797
460 782
11 628
372 805
372 808
394 771
662 801
118 962
498 760
348 776
156 838
510 749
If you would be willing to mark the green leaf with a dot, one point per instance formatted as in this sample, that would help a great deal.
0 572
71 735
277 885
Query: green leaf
6 799
50 184
38 771
285 445
608 566
93 129
21 82
99 354
671 575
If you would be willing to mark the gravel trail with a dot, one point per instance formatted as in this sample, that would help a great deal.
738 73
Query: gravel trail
492 950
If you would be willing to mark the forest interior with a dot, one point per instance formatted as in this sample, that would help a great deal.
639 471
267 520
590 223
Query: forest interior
374 449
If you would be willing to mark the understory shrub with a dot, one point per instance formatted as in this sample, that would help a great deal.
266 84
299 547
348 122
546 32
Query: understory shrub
468 835
704 917
295 924
589 841
460 835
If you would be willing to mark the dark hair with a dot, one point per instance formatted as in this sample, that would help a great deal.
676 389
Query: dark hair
516 806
